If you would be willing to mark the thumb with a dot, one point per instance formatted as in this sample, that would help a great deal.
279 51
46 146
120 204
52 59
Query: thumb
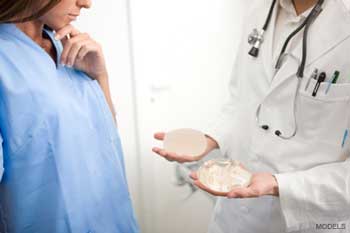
194 175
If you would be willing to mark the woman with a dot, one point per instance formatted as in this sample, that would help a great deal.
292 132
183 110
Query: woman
63 168
301 180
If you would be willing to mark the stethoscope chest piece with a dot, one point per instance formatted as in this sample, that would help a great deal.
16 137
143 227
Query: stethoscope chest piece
255 39
254 36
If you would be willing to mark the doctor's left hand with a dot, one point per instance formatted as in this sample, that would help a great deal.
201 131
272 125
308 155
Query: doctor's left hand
261 184
81 52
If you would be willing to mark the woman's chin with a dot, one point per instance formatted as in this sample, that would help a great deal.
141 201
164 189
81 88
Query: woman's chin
58 25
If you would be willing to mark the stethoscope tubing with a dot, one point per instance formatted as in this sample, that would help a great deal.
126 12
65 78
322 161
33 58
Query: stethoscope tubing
300 72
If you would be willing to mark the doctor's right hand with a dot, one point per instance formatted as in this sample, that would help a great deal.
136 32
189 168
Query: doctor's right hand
171 156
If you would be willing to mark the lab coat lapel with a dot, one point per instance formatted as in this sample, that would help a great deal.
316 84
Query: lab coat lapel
267 49
330 29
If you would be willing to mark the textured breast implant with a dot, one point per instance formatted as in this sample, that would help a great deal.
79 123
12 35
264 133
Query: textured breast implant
223 175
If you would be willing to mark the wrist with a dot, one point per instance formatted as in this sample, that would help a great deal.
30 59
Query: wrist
101 77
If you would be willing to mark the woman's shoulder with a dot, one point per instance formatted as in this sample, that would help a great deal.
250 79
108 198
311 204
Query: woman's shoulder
5 38
7 47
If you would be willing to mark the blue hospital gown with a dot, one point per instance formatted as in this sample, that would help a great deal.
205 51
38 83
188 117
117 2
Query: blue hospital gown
61 161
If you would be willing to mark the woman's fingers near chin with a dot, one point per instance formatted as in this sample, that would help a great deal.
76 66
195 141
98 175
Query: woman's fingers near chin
66 30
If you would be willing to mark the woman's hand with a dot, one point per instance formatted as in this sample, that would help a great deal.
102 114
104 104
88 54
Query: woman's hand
171 156
261 184
81 52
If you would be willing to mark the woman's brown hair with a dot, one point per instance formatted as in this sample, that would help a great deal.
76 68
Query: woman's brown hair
16 11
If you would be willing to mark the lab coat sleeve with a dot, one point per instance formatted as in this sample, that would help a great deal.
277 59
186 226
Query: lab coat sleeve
1 158
222 128
320 195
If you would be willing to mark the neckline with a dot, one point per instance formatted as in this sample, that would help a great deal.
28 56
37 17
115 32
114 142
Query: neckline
12 29
288 7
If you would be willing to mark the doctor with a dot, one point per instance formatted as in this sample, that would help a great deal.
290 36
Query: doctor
287 121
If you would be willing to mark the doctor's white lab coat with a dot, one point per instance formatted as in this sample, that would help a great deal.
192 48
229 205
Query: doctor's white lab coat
312 169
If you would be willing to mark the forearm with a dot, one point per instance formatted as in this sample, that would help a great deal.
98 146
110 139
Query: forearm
221 130
104 84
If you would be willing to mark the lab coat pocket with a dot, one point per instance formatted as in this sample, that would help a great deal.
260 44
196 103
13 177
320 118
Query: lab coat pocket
324 118
327 91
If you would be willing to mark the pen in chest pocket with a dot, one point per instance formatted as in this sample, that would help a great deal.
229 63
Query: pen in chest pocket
333 80
320 79
312 76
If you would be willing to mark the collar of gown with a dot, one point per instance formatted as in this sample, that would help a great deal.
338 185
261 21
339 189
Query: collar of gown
11 29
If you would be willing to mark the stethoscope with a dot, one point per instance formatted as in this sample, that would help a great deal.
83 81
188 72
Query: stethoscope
256 38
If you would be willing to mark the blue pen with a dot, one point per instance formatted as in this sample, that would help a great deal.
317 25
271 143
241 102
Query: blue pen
332 80
346 133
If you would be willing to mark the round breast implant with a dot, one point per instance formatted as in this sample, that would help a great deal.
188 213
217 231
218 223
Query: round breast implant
185 142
